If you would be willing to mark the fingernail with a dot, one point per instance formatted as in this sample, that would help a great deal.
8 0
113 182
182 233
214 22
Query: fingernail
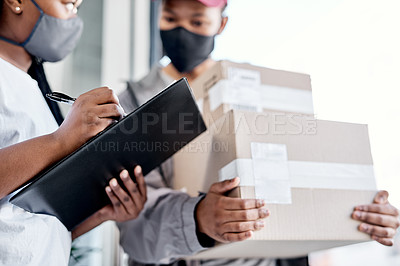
264 213
236 179
364 227
357 214
108 189
359 208
382 199
260 203
114 182
248 233
138 169
375 238
124 174
259 224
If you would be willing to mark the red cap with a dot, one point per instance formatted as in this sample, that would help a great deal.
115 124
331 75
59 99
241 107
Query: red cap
213 3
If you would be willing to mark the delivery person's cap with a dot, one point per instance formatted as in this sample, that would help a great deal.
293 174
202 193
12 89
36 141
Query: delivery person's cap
214 3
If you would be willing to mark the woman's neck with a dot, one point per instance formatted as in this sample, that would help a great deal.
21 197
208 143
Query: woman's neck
15 55
171 71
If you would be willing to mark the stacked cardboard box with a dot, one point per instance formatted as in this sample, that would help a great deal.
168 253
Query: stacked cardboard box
310 172
228 85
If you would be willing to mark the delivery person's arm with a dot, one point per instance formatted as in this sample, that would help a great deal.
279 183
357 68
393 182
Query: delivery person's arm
91 113
166 229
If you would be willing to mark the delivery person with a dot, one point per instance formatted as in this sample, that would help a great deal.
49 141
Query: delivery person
30 139
174 224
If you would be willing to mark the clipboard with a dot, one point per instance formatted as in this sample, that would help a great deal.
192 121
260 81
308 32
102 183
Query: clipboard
74 188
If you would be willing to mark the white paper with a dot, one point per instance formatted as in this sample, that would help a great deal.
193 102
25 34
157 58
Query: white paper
260 97
246 77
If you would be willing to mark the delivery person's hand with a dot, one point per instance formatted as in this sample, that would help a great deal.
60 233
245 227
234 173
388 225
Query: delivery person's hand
125 205
379 219
91 113
228 219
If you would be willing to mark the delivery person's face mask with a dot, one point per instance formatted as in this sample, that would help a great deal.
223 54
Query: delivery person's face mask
52 38
185 48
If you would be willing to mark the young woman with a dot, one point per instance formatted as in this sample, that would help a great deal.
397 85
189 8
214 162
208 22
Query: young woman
32 31
188 29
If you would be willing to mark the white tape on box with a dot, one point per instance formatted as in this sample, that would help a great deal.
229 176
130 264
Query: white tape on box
226 91
271 172
332 175
269 175
246 77
260 97
286 99
242 168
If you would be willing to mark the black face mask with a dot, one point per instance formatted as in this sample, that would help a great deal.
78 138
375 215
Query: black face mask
186 49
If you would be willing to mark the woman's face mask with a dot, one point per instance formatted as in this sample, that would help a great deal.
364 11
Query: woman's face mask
185 48
52 39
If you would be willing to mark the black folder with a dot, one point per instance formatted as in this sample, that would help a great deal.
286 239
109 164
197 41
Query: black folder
74 188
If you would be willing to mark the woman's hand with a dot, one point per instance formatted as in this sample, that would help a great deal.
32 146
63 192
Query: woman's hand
124 205
380 219
91 113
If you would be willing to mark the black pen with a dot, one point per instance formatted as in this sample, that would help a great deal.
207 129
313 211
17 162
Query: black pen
60 97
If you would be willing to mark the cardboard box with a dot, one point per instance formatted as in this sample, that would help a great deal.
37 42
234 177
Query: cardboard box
229 85
311 172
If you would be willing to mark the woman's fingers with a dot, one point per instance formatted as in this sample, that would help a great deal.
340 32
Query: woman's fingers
140 181
133 190
127 204
110 110
117 206
123 197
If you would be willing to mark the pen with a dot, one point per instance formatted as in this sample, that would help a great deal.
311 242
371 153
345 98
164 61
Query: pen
60 97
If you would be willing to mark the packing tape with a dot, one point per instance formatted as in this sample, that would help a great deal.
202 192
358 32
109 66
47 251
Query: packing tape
302 174
260 97
310 174
332 175
271 172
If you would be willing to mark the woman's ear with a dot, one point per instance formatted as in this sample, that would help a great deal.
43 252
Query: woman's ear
16 6
223 24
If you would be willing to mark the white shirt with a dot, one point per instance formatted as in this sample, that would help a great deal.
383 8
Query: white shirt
26 238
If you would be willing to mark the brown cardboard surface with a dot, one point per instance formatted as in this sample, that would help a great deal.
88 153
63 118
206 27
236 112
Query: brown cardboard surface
307 139
269 249
317 218
269 76
210 117
220 70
